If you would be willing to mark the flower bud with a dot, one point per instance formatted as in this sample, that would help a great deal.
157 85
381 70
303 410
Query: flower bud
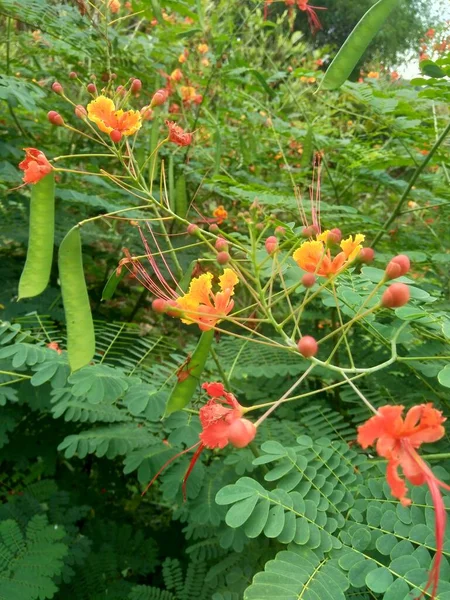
271 244
136 86
259 226
221 244
80 111
398 266
121 90
335 236
146 113
308 280
213 228
366 255
91 88
310 231
159 305
57 87
73 75
115 136
192 229
198 99
307 346
55 118
159 97
174 108
223 258
241 432
280 230
395 295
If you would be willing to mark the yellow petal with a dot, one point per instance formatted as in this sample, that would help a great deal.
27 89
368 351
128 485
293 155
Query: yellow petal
228 280
100 111
351 247
200 289
323 237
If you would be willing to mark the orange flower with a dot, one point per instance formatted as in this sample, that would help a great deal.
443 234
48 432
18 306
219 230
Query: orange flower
35 165
397 441
314 256
187 93
200 305
177 135
103 113
373 75
114 6
220 213
176 75
203 48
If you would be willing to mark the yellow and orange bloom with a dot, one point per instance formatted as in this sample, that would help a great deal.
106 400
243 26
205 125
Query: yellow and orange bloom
315 257
176 75
373 75
114 6
203 48
220 214
103 113
177 135
200 305
187 93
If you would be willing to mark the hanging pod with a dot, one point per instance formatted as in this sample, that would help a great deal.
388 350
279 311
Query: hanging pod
356 44
189 377
80 326
38 264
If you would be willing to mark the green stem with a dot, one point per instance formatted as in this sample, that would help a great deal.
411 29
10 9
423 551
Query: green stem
411 183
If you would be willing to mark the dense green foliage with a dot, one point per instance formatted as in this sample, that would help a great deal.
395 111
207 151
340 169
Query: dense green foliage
301 512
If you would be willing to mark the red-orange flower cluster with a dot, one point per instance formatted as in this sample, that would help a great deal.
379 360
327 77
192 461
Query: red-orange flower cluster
35 165
397 440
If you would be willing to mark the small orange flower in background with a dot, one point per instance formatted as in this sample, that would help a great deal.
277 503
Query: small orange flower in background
205 62
177 135
220 213
203 48
397 440
187 93
373 75
430 33
202 306
103 113
35 165
314 256
114 6
176 75
395 76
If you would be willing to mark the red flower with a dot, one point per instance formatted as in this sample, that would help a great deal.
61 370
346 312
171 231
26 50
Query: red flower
397 441
35 165
222 423
177 135
313 19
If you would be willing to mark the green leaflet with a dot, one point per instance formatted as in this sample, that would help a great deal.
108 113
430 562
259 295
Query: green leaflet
308 147
355 45
184 389
80 327
181 196
36 272
113 282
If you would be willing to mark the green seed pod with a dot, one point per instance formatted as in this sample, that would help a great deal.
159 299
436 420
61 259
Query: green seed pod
189 377
36 272
356 44
80 327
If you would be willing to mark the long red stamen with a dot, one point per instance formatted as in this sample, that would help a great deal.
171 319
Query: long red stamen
169 292
164 261
191 466
167 463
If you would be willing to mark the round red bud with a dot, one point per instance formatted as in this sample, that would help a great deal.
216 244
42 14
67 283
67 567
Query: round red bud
395 295
55 118
136 86
241 432
121 90
280 230
271 244
398 266
307 346
310 231
335 236
80 111
73 75
366 255
115 136
213 228
192 229
159 305
223 258
159 97
221 244
91 88
57 87
308 280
